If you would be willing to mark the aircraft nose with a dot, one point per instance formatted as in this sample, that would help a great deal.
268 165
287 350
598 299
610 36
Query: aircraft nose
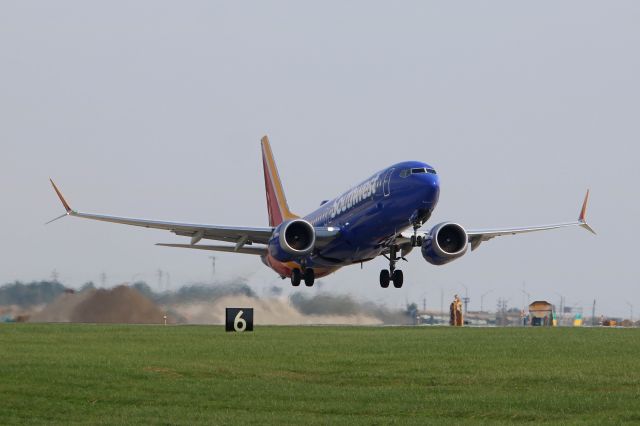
431 187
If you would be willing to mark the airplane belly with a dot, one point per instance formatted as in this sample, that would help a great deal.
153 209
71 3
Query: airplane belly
354 244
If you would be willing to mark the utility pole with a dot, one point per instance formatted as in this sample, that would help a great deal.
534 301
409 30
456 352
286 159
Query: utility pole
593 314
160 274
482 300
103 280
630 313
465 299
525 293
213 268
561 316
501 314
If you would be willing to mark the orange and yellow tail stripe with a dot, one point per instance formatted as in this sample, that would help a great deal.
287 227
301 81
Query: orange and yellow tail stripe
276 201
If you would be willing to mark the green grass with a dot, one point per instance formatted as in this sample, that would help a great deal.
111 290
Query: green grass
308 375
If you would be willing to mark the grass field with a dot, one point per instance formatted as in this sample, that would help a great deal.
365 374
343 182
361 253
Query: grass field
53 373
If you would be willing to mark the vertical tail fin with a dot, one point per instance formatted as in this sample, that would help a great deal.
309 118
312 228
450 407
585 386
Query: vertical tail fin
276 201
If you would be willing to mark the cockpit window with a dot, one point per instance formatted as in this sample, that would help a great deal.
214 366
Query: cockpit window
416 170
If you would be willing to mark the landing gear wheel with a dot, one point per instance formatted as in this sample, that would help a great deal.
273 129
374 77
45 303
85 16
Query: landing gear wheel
296 277
385 278
309 277
416 241
398 278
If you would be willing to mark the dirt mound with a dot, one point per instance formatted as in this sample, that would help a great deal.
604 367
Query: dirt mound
275 311
61 308
118 305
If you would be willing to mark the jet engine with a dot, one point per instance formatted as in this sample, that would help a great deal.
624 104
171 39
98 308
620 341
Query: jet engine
445 242
292 239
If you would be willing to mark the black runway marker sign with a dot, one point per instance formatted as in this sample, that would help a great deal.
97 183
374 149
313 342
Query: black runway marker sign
239 319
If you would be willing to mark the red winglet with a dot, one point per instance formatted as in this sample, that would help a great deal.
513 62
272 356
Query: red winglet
583 215
64 202
583 212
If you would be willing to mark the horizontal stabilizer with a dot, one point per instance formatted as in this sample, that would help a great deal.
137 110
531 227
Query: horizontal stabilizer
259 251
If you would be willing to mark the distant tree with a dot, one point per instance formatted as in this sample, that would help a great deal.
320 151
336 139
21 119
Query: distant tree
325 304
206 292
144 289
34 293
412 310
87 286
329 304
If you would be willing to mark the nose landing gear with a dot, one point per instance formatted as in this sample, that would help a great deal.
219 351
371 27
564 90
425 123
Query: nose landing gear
418 218
416 240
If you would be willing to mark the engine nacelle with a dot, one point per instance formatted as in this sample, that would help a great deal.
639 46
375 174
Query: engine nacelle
446 242
292 239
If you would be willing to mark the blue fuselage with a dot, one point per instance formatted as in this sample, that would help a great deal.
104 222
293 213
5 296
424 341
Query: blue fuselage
374 212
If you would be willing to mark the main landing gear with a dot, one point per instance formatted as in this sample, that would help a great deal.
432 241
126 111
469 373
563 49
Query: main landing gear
298 276
392 274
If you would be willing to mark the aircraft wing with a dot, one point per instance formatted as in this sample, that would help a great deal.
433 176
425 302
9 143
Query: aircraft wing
477 236
238 235
259 251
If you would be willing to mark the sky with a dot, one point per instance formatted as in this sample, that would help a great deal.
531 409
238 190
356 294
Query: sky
155 109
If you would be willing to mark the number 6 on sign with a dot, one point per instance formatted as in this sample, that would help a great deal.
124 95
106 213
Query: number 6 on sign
239 324
239 319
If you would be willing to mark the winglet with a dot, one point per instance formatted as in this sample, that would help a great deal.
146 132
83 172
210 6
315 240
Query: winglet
583 215
64 202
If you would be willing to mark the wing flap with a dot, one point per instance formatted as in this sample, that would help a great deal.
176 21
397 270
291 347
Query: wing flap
208 232
259 251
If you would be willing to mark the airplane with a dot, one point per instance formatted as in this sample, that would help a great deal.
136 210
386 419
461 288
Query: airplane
368 220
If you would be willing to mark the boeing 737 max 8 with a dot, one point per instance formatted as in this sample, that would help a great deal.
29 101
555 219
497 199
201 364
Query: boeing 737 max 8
366 221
